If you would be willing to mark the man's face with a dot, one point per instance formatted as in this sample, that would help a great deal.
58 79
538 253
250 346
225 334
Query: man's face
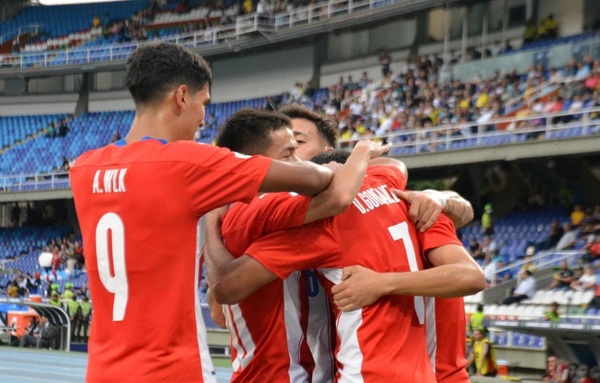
283 146
195 112
310 143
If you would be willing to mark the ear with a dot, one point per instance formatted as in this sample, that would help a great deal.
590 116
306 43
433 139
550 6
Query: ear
182 97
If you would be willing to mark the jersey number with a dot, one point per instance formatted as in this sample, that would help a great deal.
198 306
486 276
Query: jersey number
400 232
110 246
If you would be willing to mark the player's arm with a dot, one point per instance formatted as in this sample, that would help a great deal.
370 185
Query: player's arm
426 206
230 279
303 178
346 183
454 274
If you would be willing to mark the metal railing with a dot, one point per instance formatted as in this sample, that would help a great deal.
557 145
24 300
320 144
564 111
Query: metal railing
34 182
243 26
516 129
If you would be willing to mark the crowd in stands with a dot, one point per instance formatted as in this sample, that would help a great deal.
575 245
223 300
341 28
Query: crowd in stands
415 99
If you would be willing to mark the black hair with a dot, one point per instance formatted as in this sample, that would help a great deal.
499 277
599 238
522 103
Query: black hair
155 68
340 156
326 127
248 131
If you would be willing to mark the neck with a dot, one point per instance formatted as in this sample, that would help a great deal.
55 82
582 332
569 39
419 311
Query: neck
150 122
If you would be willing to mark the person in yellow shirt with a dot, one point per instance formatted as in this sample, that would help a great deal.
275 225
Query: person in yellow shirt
483 355
577 215
483 99
551 26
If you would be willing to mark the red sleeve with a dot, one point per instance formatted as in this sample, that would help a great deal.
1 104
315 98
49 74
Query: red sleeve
229 176
271 212
393 176
441 233
310 246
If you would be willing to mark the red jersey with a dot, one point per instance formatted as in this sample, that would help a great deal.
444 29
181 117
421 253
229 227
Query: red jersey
385 341
445 317
143 280
268 344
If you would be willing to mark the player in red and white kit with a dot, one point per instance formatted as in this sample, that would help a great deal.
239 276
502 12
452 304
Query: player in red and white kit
140 204
393 324
445 337
277 333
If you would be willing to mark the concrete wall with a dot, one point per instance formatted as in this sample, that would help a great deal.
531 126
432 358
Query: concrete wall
42 104
259 75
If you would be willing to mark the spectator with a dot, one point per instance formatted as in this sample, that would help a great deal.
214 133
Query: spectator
529 263
568 239
502 275
556 371
487 220
116 137
556 232
593 250
483 355
530 33
525 289
586 282
577 216
552 315
63 129
51 130
385 60
551 27
562 278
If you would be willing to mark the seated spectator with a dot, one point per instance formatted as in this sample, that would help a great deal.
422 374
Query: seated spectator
489 269
529 263
568 239
556 371
502 275
593 250
586 282
552 315
525 289
562 278
556 232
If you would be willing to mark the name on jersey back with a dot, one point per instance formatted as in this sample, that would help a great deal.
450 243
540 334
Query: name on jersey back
109 181
373 198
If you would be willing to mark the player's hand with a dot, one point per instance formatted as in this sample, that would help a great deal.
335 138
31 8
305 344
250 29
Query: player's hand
375 148
424 208
215 217
359 288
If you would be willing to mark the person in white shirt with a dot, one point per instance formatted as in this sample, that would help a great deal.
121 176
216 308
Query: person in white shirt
524 290
586 282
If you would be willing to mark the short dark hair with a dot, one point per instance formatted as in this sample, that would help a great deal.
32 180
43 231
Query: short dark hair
248 131
340 156
326 126
154 68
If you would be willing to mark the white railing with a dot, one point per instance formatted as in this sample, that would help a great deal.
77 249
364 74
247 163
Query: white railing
503 131
34 182
218 35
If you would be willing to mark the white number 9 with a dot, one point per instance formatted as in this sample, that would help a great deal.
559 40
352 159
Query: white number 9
116 284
